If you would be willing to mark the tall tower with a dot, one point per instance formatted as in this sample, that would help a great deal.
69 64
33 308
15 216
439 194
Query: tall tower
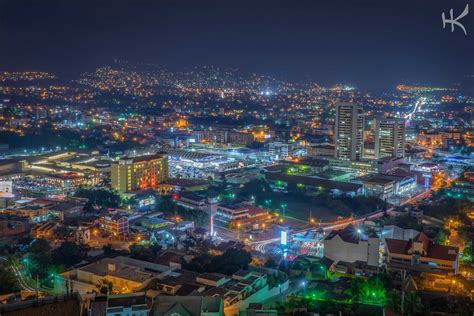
349 131
389 138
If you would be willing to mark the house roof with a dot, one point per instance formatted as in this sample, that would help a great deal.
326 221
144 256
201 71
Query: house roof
65 206
168 257
126 300
212 276
347 234
431 249
145 158
185 305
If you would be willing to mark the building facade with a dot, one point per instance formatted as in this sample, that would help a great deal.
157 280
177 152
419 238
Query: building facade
130 174
421 254
352 245
389 138
349 131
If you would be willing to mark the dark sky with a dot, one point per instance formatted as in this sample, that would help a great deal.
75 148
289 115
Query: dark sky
369 43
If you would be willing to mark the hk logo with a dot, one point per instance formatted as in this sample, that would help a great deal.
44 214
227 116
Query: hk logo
455 21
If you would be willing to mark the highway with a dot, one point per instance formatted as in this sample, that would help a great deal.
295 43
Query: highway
417 107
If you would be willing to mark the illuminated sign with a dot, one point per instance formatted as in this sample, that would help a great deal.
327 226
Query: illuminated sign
284 238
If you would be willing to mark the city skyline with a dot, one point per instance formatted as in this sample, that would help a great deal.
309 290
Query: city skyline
362 45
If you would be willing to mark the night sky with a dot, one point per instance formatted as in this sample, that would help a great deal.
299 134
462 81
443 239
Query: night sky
369 43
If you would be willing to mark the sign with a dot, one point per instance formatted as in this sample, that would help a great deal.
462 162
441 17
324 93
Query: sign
284 238
6 189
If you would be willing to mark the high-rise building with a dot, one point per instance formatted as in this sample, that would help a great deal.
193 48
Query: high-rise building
389 138
130 174
349 131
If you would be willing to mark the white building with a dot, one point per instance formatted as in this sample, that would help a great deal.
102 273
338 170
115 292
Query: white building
277 150
385 186
349 131
350 245
389 138
197 165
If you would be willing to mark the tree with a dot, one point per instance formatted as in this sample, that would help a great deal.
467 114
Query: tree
8 281
40 257
228 263
107 249
68 254
165 205
62 232
142 253
105 287
99 197
199 263
413 305
231 261
271 263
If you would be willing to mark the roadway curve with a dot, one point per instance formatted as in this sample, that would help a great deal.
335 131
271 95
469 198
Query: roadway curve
417 107
262 244
18 275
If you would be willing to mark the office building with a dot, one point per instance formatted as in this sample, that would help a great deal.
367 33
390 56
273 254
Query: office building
389 138
349 131
130 174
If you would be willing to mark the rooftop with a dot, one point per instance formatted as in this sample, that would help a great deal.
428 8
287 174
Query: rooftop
347 234
431 249
186 305
125 268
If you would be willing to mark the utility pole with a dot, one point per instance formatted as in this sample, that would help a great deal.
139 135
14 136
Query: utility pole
404 275
176 225
37 286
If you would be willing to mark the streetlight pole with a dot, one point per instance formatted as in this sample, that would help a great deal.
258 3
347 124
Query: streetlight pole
283 208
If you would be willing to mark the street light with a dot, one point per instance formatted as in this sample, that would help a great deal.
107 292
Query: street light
303 284
283 207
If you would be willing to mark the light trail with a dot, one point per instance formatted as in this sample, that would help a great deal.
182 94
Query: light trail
18 275
416 108
262 244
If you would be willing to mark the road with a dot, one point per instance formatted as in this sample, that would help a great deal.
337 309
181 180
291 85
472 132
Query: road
262 244
417 107
18 275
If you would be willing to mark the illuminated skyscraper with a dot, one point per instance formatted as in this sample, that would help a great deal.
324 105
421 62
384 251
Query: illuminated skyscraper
349 131
130 174
389 138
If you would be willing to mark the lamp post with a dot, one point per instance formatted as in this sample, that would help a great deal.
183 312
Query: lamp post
283 208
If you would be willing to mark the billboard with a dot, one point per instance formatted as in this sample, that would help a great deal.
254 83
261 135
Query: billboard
284 238
6 189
